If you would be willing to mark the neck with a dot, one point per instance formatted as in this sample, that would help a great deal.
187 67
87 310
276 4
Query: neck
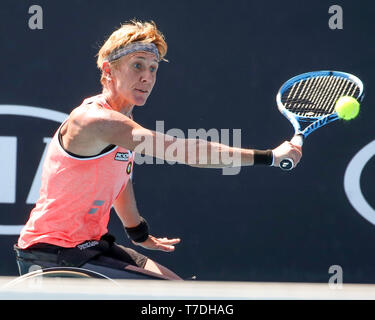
117 103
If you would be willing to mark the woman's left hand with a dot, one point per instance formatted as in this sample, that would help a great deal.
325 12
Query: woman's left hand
162 244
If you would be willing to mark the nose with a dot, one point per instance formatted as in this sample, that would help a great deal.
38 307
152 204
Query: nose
147 77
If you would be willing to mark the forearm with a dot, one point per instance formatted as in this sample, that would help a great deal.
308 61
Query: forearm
126 207
216 155
193 152
206 154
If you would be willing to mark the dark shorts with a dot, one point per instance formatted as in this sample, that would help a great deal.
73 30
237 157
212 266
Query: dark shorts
104 256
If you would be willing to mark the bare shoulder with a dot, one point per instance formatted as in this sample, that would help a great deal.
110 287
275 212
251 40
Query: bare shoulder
95 126
85 116
80 134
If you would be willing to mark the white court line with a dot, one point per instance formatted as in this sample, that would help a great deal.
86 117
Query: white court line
94 289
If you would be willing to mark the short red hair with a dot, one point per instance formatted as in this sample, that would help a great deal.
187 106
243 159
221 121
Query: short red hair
129 32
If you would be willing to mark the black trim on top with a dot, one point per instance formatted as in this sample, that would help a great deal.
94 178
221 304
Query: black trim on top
105 150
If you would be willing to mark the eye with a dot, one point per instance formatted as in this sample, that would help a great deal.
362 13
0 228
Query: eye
153 69
137 65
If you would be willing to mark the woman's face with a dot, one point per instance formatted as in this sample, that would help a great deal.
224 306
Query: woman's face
134 77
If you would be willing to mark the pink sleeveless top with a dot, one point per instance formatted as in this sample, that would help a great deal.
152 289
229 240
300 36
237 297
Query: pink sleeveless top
76 194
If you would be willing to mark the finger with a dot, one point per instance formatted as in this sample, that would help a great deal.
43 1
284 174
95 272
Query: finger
296 158
297 148
166 247
163 244
169 241
165 240
163 247
298 153
154 245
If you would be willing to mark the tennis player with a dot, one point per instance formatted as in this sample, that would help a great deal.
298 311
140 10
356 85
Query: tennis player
89 164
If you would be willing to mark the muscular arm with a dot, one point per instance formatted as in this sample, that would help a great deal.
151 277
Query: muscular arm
126 207
112 127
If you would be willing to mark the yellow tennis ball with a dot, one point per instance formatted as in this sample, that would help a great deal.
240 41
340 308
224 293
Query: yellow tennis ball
347 107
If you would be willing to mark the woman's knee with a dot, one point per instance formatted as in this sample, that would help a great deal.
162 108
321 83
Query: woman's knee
159 269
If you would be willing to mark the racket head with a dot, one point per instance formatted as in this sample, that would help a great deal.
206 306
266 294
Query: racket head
311 97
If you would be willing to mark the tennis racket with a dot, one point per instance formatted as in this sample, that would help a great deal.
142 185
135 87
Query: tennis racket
309 99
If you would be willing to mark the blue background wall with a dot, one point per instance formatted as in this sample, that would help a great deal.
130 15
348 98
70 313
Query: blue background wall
227 61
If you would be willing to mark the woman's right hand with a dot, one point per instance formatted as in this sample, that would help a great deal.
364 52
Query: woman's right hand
287 150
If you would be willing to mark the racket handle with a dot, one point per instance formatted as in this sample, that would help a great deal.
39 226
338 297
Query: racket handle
297 140
287 163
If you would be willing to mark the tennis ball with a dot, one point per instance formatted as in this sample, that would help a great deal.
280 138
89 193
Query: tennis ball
347 107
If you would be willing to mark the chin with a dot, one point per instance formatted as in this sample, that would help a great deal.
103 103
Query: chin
140 102
140 99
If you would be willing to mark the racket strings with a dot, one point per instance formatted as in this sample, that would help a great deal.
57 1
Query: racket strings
302 97
305 101
316 96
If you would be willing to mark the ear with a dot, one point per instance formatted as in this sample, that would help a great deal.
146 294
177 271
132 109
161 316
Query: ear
106 68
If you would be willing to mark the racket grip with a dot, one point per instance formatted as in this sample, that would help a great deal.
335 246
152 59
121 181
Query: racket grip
287 163
297 140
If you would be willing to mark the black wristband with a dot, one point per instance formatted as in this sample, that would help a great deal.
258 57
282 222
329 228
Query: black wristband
263 157
139 233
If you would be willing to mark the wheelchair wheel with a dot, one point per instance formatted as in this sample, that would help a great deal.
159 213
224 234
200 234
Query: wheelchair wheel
57 272
70 272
